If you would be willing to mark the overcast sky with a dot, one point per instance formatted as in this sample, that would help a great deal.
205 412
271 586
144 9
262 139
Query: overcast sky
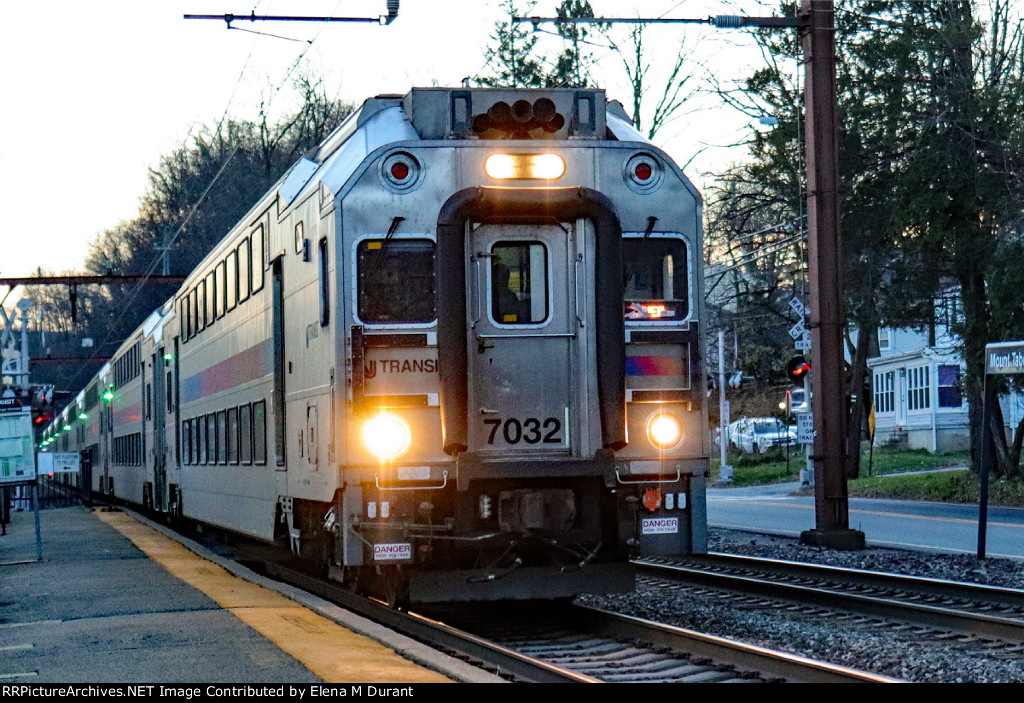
98 91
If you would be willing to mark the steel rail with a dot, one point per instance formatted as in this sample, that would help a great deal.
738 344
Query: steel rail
791 667
944 617
939 588
437 634
522 667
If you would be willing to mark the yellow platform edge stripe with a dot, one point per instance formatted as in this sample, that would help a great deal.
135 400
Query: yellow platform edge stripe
328 650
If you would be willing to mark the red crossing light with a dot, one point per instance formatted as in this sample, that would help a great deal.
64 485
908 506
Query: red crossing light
797 368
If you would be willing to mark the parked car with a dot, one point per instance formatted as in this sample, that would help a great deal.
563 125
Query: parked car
758 434
797 400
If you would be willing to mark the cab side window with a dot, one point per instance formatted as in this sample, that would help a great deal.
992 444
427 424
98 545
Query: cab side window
395 281
655 278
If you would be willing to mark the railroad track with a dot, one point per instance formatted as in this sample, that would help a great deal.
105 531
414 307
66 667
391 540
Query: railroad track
615 648
561 642
554 642
987 615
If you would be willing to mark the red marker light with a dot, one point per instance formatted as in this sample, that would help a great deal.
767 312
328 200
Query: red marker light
643 171
400 170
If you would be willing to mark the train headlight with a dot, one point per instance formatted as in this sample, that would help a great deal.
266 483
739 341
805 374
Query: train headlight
664 430
386 436
545 167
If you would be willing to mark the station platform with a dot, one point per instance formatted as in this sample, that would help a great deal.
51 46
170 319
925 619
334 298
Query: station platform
119 599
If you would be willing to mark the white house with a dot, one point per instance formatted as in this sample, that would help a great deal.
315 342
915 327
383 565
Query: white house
919 397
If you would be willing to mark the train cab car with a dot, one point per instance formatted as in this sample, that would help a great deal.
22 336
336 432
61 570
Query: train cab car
454 354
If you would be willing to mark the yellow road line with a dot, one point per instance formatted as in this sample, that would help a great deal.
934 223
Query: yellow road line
330 651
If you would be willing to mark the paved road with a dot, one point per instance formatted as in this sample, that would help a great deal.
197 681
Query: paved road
906 524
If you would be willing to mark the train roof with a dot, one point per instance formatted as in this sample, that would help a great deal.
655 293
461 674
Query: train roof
431 114
447 114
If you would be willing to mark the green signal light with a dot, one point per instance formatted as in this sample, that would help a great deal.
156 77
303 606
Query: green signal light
67 428
108 396
83 416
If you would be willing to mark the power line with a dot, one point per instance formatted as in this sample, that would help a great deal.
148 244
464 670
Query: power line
135 292
392 14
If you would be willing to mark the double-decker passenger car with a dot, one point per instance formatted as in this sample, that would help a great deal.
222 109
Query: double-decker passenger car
453 354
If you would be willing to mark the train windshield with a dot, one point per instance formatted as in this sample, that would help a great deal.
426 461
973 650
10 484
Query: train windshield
655 278
396 281
768 427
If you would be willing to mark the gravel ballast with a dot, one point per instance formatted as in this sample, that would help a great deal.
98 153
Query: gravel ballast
894 652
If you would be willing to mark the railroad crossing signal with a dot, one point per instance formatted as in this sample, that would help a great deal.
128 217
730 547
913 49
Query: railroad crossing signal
797 368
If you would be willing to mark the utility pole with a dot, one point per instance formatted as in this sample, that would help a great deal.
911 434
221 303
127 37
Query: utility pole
816 25
824 253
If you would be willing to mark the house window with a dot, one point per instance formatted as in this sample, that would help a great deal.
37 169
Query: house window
918 388
950 395
884 338
948 310
885 392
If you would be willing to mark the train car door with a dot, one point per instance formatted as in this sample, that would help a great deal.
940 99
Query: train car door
159 415
86 479
277 291
522 334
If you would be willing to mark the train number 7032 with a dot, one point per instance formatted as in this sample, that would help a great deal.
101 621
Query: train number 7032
531 430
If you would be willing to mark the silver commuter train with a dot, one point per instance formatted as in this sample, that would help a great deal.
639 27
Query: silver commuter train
454 354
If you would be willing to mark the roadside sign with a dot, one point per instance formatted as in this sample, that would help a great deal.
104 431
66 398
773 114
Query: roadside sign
797 305
805 428
1001 358
797 330
804 343
1004 358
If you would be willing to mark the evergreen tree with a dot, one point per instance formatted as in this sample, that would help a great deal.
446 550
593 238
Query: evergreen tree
930 157
511 62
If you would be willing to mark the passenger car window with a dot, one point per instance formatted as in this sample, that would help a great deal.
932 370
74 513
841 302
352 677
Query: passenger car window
655 283
395 280
519 283
244 269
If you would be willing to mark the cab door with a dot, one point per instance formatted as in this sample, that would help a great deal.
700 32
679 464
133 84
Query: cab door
522 339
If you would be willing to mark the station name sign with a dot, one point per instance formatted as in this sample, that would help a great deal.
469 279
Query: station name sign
1004 358
14 404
